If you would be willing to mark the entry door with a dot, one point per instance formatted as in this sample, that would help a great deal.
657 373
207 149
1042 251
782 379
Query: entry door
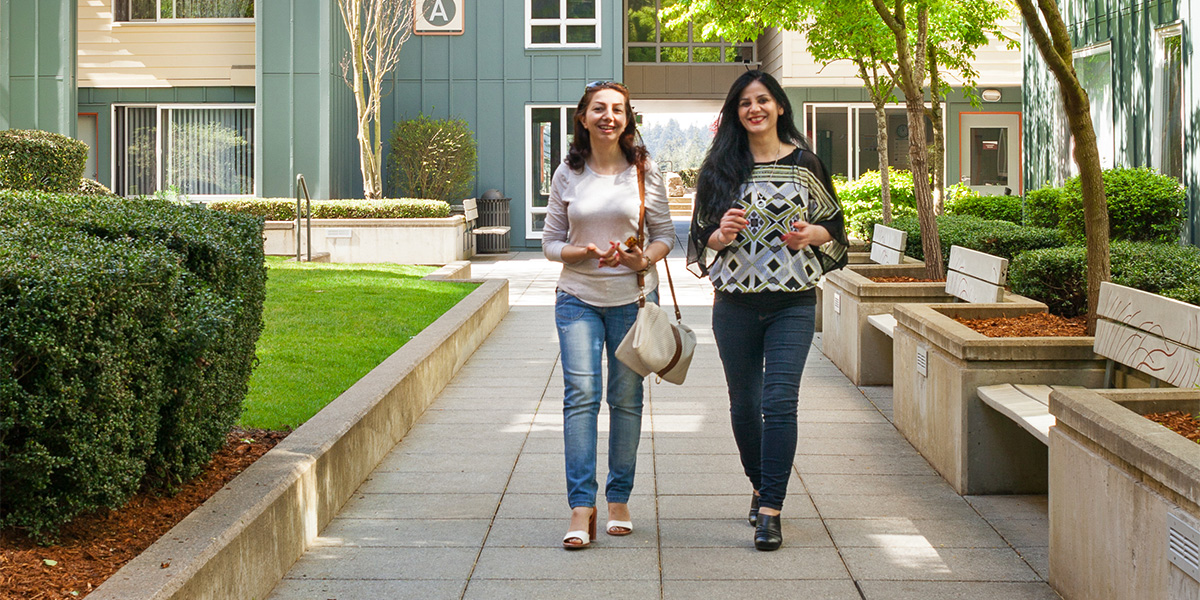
990 153
548 138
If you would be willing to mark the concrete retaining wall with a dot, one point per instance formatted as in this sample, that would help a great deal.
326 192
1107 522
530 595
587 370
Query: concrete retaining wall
407 241
242 541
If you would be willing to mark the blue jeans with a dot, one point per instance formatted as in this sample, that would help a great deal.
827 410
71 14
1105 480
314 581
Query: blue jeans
584 332
763 355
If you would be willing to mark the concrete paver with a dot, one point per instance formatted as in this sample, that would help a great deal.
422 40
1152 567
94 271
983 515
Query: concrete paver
472 504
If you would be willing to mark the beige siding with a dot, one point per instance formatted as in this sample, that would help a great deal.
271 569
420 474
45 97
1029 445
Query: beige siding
770 52
997 65
161 55
694 82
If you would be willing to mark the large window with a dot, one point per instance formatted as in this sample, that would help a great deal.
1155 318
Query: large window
548 138
651 40
163 10
198 150
1093 66
562 23
846 136
1167 111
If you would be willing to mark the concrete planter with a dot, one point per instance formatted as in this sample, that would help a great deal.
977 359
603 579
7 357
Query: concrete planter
854 258
409 241
862 352
939 364
1121 487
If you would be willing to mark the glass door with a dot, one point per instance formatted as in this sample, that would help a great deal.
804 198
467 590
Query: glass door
990 153
548 140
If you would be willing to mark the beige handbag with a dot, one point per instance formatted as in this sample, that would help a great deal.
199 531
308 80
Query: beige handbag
654 344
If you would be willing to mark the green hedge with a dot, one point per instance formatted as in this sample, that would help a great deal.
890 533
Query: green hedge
1058 276
91 187
992 208
284 209
1041 207
1143 205
39 160
432 158
861 202
130 326
998 238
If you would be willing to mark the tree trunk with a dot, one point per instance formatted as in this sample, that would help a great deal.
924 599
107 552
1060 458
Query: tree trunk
885 186
937 150
931 243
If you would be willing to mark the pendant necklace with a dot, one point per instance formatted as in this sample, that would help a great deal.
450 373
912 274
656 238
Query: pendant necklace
760 200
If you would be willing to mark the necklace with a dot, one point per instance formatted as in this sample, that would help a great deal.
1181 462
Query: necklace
760 199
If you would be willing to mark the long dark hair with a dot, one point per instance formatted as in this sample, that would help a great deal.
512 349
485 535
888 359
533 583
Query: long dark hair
729 160
630 141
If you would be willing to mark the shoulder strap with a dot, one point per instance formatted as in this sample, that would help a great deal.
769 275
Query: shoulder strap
642 241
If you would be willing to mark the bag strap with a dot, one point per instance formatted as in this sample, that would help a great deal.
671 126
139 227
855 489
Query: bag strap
641 279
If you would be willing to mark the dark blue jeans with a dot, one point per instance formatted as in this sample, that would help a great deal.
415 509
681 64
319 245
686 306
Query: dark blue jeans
763 355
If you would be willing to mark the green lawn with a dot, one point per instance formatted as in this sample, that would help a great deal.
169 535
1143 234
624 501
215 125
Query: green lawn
327 325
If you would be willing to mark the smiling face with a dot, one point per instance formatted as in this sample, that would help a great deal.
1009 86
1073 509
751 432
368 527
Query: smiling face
606 117
757 110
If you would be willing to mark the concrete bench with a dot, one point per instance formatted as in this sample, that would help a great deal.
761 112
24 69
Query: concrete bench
887 245
973 276
1144 332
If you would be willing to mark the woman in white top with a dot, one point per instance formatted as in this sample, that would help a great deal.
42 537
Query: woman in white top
594 209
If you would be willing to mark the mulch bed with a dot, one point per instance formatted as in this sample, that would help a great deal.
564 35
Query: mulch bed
1030 325
904 279
93 547
1178 421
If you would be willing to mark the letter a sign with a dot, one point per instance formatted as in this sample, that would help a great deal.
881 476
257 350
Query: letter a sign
438 17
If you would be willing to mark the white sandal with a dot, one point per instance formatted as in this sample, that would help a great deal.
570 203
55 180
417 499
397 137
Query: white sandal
619 527
579 539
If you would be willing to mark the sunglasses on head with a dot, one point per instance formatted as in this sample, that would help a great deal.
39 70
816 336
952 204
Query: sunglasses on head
601 82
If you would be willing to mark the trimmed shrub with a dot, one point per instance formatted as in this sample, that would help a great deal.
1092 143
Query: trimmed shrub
284 209
998 238
1058 276
861 202
130 326
432 158
992 208
1041 207
1143 205
91 187
39 160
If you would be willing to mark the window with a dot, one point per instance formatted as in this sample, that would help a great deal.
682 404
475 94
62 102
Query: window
846 136
163 10
1167 110
650 40
1093 66
562 23
549 135
199 150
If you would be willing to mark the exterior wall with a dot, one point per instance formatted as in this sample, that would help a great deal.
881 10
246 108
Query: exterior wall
487 77
679 82
101 100
161 54
37 66
1130 28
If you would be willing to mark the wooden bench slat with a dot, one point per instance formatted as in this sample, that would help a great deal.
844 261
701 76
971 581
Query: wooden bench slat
979 265
1162 359
885 256
971 289
1166 317
1030 412
885 322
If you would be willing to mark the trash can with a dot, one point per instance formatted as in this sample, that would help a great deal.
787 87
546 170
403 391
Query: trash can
493 229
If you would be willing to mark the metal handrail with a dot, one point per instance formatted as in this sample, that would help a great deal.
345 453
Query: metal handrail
301 186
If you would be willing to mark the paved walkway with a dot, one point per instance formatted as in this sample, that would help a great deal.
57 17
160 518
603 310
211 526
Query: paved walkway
472 503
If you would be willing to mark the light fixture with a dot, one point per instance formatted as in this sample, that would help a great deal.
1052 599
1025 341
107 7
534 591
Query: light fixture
990 95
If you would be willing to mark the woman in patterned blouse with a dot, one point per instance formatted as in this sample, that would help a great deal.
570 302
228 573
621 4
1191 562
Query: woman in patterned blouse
766 226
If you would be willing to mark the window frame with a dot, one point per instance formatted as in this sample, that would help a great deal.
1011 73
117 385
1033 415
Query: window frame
1158 96
566 113
159 20
854 110
691 45
118 154
1104 47
562 22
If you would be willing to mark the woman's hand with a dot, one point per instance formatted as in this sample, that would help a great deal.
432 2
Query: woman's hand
633 258
806 234
732 223
607 258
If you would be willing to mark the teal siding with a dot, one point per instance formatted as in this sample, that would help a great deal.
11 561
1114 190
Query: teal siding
37 65
1130 28
101 100
487 78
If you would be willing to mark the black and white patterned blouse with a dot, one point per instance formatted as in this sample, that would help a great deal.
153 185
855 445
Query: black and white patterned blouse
794 188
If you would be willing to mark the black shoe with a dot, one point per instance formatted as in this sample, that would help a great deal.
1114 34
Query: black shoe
753 517
768 533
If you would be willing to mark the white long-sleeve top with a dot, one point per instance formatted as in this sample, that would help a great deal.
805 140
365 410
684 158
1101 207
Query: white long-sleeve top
589 208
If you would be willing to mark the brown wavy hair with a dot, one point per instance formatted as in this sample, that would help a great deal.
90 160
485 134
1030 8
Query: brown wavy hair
630 141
